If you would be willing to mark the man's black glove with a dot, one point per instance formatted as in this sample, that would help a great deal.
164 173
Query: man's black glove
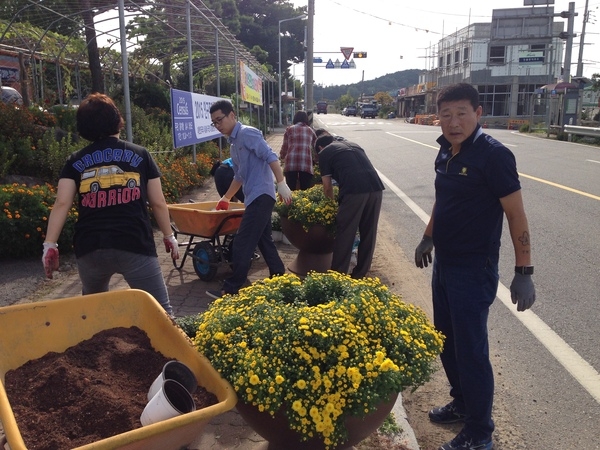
423 252
522 291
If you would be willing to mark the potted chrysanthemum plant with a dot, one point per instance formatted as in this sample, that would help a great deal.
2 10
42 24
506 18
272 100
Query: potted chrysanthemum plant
308 357
308 222
310 207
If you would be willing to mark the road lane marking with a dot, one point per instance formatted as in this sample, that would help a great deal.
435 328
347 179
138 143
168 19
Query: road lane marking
412 140
541 180
579 368
592 160
560 186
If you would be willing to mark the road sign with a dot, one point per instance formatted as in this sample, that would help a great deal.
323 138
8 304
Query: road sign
346 51
345 64
318 60
329 64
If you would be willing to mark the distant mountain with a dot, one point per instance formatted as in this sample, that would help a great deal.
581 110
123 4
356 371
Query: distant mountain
387 83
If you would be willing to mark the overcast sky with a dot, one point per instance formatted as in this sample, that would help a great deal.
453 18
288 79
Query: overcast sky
399 35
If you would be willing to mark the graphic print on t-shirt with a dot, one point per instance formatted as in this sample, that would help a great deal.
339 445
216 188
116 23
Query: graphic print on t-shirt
92 180
108 185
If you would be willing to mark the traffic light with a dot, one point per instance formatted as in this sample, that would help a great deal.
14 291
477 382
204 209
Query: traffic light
360 54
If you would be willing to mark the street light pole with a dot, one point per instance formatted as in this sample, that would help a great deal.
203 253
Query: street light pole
302 16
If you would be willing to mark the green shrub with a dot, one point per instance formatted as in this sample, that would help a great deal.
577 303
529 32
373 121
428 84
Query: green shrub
20 128
31 146
189 324
53 154
24 218
66 117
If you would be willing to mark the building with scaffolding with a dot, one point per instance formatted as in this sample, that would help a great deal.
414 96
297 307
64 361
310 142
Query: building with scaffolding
515 61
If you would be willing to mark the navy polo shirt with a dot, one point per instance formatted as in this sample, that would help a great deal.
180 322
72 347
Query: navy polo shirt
468 215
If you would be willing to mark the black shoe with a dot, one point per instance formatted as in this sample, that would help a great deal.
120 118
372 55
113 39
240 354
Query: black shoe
446 414
465 442
215 294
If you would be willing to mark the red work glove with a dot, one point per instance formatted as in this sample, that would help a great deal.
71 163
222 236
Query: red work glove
171 246
50 258
223 204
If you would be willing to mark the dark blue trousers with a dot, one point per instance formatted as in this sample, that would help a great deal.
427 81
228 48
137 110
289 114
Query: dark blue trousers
462 297
254 230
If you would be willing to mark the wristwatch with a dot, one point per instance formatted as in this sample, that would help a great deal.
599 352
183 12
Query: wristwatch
524 270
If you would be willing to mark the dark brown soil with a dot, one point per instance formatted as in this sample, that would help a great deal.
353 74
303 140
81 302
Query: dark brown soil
94 390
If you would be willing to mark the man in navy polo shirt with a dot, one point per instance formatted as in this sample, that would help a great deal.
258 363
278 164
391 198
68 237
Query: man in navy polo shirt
476 184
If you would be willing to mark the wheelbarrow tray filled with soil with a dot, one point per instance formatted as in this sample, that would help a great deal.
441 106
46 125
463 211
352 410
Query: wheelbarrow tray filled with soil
29 331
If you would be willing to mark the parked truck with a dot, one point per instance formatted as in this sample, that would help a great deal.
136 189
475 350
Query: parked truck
368 110
321 107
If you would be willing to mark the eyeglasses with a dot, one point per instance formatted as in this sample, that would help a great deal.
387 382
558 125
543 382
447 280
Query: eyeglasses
218 121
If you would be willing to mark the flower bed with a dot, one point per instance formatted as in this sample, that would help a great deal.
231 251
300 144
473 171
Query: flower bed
322 349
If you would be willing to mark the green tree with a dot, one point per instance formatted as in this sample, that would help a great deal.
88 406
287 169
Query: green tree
346 100
383 98
255 23
596 82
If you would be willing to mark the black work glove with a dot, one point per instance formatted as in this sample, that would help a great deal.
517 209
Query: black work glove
423 252
522 291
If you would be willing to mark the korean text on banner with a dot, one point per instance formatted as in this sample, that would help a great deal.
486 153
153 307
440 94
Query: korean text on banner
251 85
191 118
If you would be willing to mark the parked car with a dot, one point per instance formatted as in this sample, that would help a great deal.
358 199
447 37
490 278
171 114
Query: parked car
350 111
368 111
11 96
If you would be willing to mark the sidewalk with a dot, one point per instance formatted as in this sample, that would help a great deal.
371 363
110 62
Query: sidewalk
187 295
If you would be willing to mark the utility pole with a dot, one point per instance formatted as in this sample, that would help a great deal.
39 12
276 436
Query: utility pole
586 17
569 45
309 60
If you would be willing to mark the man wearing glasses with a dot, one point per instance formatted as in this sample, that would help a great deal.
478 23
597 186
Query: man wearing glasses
254 165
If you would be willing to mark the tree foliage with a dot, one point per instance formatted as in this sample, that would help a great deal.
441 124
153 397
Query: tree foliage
596 82
384 98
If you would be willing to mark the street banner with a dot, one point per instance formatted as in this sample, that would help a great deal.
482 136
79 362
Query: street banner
190 114
251 85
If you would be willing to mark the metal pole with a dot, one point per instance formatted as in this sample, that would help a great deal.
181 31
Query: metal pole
279 70
303 16
126 98
309 60
190 61
586 16
569 44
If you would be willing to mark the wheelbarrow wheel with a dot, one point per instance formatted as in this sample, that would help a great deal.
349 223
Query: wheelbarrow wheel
205 260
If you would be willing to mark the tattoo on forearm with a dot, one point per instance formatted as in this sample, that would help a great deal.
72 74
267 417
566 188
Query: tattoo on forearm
524 239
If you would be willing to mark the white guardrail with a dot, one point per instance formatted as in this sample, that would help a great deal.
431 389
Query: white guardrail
581 131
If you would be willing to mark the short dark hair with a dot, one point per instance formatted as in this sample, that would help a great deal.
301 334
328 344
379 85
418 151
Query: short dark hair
224 105
321 131
456 92
323 141
98 117
300 117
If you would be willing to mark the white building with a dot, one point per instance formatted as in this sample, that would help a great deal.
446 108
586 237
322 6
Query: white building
515 62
